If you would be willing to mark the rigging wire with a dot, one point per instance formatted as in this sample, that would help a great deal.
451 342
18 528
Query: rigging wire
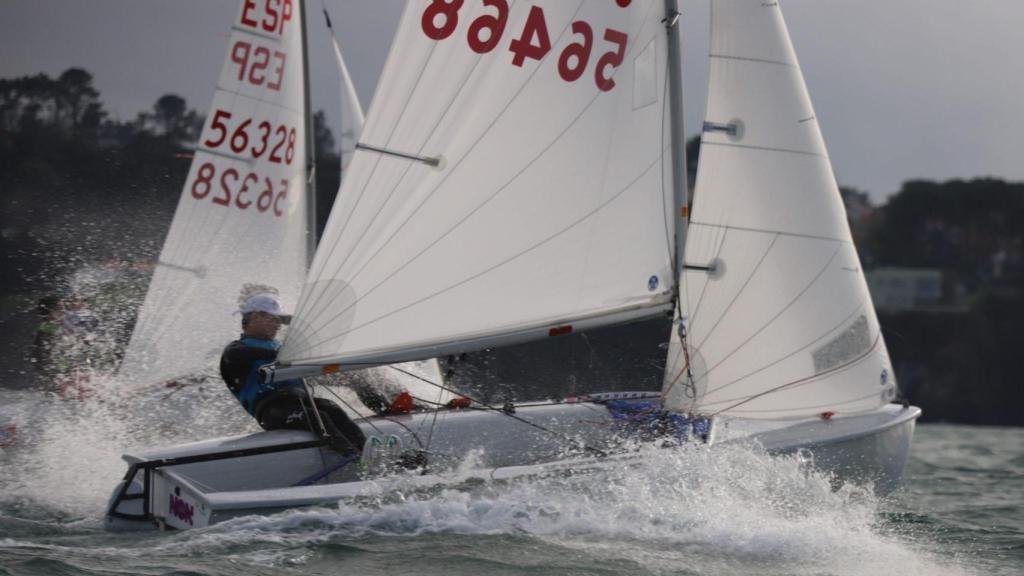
504 412
353 410
690 390
433 423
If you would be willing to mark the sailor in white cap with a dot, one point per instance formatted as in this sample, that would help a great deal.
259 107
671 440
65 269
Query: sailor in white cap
283 404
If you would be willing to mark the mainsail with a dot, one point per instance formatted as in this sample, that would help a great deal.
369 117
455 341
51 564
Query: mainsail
242 217
510 184
779 321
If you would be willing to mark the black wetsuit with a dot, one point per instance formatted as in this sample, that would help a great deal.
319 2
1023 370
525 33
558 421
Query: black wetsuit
282 404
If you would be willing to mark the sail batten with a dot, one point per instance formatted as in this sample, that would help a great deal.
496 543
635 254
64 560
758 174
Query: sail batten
752 59
768 149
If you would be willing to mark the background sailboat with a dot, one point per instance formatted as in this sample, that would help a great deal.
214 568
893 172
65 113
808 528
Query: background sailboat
243 217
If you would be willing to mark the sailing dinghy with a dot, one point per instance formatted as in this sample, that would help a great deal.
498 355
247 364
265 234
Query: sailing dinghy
521 177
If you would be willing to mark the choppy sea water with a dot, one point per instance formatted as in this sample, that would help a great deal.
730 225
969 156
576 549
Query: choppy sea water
696 511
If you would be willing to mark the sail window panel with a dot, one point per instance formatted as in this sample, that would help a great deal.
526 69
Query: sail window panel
854 388
752 29
767 104
759 190
849 344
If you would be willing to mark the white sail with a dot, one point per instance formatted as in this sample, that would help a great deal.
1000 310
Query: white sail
351 112
352 118
782 325
541 203
242 216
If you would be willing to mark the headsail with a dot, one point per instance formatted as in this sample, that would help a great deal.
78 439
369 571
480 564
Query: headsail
242 215
540 201
780 321
352 118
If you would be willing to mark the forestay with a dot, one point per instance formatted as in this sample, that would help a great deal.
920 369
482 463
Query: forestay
540 201
242 216
782 324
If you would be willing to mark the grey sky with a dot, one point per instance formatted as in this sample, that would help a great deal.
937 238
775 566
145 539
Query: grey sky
903 88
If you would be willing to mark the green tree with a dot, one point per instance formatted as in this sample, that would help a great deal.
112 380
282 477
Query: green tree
76 102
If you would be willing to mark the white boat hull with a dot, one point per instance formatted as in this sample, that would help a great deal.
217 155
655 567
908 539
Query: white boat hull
467 444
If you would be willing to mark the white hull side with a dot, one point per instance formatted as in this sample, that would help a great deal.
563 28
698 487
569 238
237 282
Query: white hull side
876 456
480 444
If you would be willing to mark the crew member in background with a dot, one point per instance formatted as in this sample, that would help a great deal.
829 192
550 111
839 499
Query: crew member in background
46 355
284 404
60 356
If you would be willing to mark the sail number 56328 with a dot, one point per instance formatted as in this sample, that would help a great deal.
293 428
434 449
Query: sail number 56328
275 140
441 18
232 189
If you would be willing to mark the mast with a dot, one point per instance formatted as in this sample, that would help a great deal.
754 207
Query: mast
677 363
310 143
675 82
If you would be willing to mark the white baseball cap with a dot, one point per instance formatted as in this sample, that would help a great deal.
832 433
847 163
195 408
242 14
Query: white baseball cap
265 302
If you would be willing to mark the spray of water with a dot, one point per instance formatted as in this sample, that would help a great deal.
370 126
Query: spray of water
68 453
709 511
